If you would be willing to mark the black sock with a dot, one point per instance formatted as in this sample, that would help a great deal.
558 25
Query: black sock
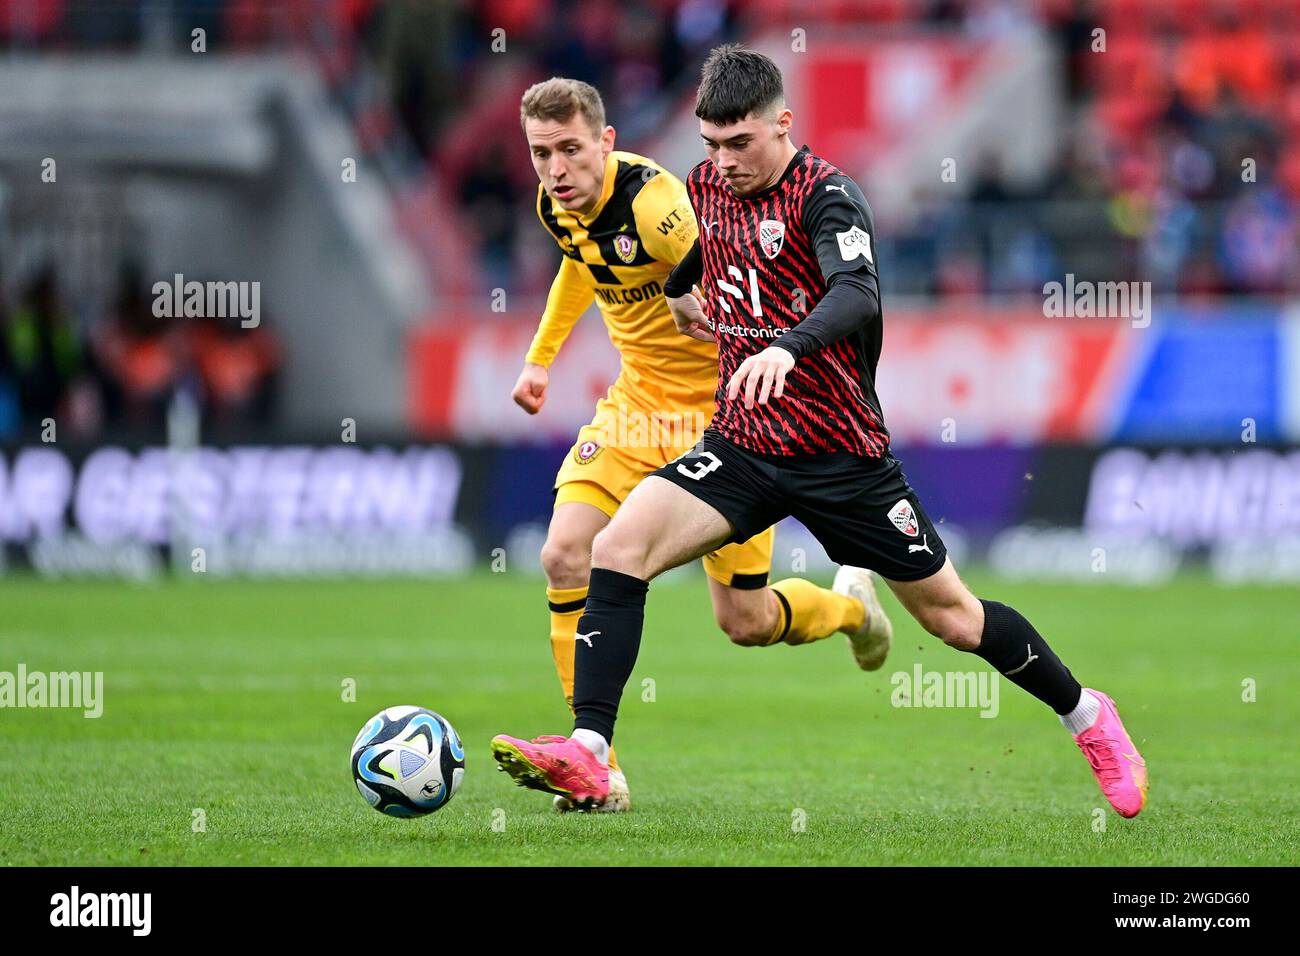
609 636
1020 654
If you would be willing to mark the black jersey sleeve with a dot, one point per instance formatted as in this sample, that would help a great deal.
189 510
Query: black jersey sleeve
849 304
837 218
686 273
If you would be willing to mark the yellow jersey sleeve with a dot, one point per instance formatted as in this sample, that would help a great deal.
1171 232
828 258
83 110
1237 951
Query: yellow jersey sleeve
570 296
664 218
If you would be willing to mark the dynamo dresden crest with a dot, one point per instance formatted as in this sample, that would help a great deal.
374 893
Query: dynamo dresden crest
625 247
771 237
586 451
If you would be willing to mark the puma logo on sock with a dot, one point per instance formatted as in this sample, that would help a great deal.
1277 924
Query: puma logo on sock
1032 657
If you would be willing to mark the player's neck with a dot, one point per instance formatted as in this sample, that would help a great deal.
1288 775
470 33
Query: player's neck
591 207
586 211
787 154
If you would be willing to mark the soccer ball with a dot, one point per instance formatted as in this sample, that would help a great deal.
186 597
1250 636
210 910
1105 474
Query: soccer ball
407 761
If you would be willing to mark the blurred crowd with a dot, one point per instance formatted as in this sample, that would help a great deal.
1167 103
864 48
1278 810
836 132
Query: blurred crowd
1149 180
1174 166
122 368
1180 164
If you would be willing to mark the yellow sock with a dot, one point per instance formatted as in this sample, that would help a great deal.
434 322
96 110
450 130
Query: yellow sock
809 613
567 605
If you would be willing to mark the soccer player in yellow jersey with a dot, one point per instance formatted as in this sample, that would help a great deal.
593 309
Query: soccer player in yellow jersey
622 223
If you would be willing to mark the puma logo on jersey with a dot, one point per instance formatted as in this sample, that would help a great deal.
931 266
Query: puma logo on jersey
923 546
842 188
587 638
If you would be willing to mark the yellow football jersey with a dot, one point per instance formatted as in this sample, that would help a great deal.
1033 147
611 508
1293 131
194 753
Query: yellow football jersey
619 254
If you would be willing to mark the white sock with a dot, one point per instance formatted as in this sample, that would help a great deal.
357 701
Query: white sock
1084 714
594 742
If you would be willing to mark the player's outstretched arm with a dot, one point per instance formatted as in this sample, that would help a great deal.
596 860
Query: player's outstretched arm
684 303
530 387
570 296
848 304
839 221
688 314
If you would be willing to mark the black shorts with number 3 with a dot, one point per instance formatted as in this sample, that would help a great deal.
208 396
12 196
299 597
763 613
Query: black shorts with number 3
861 510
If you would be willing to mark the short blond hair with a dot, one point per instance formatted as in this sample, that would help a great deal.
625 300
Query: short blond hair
559 98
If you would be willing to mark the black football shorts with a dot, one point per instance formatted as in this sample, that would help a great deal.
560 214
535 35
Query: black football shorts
861 510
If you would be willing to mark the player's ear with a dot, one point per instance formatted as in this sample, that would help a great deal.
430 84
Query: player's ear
607 140
785 119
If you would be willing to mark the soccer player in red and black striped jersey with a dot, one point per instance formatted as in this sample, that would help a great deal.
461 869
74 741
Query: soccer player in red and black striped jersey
791 267
786 265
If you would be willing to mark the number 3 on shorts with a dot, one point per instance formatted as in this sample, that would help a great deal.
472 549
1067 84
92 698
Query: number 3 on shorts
702 468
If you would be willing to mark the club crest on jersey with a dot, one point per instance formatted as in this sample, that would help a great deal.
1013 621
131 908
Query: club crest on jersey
586 452
771 237
625 247
904 518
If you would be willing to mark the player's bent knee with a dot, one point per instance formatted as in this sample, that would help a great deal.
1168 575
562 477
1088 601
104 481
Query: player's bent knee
954 625
745 630
749 637
565 563
617 550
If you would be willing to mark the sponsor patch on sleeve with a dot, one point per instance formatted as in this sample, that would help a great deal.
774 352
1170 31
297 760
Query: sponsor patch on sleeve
854 242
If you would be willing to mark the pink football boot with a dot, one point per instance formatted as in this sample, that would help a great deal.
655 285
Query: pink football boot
558 765
1119 768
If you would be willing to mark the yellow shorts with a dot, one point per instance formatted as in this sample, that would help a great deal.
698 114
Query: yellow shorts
619 448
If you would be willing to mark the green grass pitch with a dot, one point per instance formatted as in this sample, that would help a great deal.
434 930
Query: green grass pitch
227 697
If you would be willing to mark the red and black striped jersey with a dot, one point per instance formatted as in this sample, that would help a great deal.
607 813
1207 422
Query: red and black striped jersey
767 262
